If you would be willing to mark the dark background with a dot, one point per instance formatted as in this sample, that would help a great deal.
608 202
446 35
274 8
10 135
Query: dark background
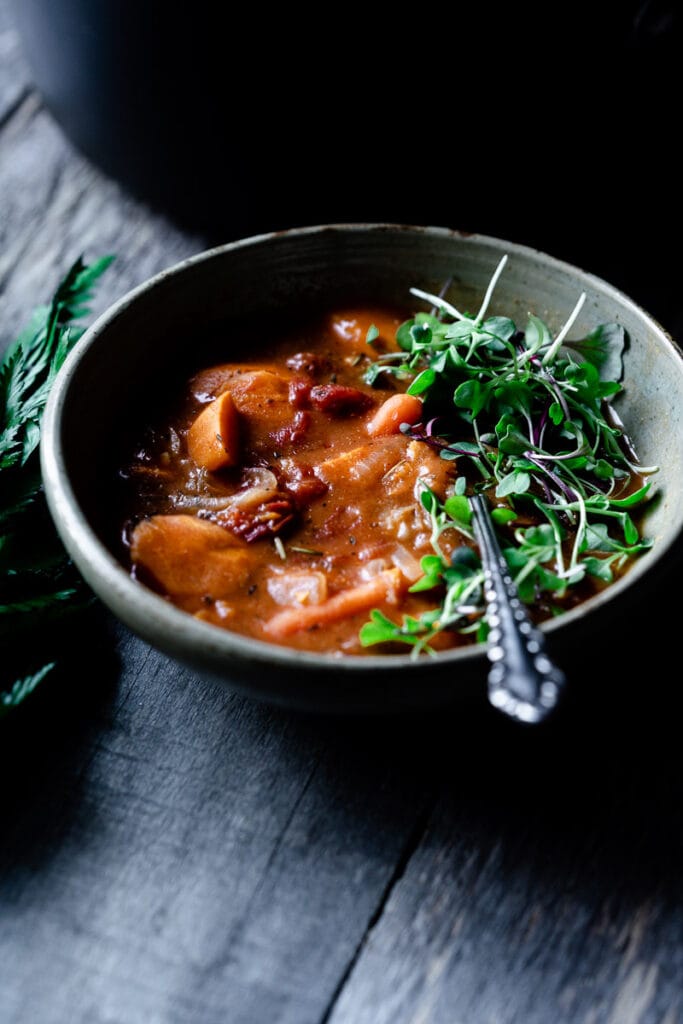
553 125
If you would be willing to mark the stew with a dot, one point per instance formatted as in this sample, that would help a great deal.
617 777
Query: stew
296 498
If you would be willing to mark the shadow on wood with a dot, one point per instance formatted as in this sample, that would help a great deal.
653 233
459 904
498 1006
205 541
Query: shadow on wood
48 739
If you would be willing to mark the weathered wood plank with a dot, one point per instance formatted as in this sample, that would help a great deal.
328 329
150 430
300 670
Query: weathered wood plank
15 79
217 851
556 900
55 206
203 852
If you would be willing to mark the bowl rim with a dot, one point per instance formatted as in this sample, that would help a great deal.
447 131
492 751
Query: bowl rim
133 602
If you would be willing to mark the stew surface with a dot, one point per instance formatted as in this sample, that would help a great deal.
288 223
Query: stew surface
282 500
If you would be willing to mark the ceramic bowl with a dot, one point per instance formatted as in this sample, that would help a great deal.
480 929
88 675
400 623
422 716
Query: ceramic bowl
117 362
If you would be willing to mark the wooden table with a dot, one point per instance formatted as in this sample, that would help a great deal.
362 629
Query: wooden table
175 854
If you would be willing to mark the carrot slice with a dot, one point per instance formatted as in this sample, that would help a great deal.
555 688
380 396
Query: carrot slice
383 587
213 438
393 412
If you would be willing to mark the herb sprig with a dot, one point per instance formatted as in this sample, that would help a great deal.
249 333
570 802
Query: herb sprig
38 583
526 416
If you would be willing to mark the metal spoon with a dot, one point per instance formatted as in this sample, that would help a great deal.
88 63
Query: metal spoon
523 682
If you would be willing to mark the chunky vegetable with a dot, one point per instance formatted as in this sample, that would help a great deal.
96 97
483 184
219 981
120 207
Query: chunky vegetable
213 439
393 413
385 586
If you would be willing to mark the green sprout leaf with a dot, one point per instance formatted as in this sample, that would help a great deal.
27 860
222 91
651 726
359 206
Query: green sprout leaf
604 347
525 416
517 482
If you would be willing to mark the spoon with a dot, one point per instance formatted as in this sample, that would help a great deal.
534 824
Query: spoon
523 682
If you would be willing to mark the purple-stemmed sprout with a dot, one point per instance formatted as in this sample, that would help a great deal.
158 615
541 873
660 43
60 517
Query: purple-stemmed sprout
564 488
520 392
426 434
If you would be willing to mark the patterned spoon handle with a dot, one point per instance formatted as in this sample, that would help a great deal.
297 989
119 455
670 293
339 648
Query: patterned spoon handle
523 682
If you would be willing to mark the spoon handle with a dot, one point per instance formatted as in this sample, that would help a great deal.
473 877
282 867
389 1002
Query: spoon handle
523 682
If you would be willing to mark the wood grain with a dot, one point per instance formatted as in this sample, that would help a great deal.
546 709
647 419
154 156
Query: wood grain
196 849
559 902
171 853
15 81
55 206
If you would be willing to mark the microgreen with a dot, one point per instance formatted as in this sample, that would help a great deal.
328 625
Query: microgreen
526 414
37 580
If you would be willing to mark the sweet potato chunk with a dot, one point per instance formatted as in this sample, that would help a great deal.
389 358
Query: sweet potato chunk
398 409
385 586
209 383
213 438
255 392
189 557
260 395
262 400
